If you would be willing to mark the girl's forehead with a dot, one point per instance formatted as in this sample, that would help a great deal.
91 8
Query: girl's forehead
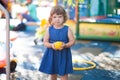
57 14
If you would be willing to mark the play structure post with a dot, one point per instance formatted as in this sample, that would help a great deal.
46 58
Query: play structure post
7 42
55 2
77 18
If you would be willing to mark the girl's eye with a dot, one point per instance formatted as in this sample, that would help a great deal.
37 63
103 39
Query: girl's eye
54 16
60 16
57 16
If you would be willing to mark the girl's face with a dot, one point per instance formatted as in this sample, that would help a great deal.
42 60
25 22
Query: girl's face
57 20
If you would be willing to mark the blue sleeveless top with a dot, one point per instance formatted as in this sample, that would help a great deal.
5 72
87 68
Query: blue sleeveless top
57 61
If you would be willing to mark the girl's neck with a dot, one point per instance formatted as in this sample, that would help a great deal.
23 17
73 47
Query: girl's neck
58 27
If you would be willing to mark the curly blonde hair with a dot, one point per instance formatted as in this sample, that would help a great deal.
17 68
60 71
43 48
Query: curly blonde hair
59 10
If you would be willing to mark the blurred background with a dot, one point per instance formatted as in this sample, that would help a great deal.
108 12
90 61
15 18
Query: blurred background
96 27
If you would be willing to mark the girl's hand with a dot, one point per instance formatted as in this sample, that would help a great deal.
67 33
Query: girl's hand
63 46
53 46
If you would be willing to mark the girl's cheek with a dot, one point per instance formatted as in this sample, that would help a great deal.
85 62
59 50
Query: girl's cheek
51 22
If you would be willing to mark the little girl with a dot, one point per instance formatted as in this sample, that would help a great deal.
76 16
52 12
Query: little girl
57 61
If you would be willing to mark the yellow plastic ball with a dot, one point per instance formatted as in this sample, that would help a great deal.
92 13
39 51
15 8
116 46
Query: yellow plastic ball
58 45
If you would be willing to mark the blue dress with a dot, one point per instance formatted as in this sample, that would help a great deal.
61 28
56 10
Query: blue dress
57 61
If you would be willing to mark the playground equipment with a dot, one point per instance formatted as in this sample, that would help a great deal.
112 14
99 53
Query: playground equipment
55 2
7 42
97 28
93 21
40 32
92 65
7 48
98 31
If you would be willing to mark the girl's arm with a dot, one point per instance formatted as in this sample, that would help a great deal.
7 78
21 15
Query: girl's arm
46 39
71 39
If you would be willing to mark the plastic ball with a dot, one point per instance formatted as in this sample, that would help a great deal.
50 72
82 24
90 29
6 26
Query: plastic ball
58 45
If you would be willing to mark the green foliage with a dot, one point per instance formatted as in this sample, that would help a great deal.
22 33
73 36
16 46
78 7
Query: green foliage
81 1
71 2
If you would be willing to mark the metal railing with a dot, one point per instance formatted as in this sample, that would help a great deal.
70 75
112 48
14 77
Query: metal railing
7 42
